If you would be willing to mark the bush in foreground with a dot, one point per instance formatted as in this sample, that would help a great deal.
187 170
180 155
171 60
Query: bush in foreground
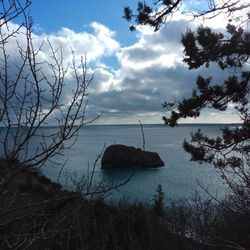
43 216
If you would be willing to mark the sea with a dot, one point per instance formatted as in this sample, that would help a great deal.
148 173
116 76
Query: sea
180 178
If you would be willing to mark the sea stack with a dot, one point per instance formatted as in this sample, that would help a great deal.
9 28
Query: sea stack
122 156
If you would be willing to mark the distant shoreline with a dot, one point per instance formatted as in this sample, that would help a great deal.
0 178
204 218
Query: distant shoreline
163 125
149 124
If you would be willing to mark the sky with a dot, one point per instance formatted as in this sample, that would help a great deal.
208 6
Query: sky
134 72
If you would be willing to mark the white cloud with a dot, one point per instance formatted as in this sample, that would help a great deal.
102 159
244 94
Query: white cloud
97 44
105 37
150 70
155 48
218 19
104 81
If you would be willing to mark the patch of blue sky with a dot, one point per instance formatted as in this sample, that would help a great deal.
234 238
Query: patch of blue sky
51 15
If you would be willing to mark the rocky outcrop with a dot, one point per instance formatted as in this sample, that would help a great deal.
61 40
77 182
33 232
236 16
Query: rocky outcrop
121 156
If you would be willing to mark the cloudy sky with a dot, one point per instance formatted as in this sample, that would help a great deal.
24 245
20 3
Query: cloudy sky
134 72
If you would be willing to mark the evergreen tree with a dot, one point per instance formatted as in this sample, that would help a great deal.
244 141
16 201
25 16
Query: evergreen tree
229 152
158 12
203 47
158 206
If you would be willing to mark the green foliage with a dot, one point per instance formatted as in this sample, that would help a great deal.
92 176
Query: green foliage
69 220
158 206
153 16
229 152
204 47
157 13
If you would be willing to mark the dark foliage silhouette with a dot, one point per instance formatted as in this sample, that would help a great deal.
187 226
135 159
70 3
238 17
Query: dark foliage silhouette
159 12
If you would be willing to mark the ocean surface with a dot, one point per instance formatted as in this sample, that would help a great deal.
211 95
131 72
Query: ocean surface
180 178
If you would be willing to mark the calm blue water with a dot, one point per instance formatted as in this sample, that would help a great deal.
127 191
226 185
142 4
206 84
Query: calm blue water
178 177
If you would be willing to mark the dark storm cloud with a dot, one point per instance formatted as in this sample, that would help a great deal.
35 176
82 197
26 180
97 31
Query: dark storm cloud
140 54
144 90
151 71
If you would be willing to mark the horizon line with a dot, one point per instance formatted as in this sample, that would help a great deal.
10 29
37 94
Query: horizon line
133 124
